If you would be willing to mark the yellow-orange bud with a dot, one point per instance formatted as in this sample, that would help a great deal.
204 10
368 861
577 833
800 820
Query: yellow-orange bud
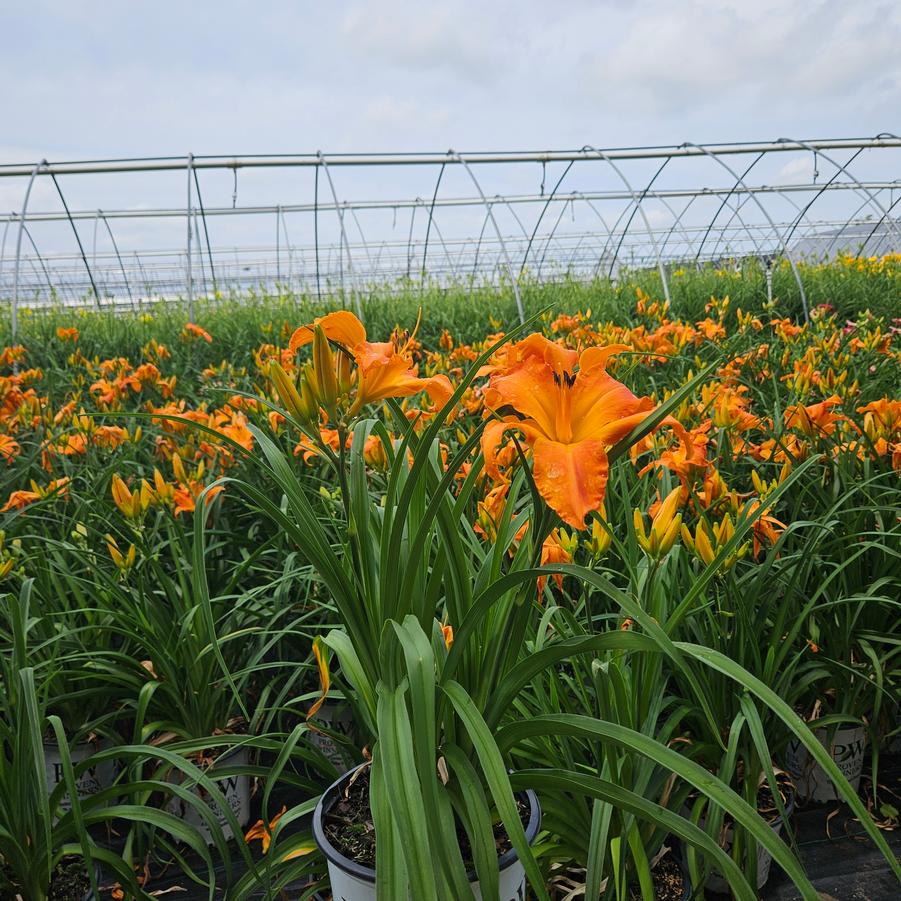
448 633
325 369
344 372
664 526
600 535
129 504
287 393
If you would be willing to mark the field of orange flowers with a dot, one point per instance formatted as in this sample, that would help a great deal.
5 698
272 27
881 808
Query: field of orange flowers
672 540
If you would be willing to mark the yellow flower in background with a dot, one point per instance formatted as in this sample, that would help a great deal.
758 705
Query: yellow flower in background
665 524
132 504
601 536
707 542
124 562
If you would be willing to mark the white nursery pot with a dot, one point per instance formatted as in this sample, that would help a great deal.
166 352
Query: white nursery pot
337 718
847 751
717 883
93 780
235 788
351 881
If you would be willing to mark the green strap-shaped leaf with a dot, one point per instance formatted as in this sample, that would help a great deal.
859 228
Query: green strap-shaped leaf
403 791
354 673
623 799
703 780
492 765
475 813
422 685
390 866
728 667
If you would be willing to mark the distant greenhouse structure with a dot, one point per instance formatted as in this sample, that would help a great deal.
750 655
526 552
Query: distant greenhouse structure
867 239
123 233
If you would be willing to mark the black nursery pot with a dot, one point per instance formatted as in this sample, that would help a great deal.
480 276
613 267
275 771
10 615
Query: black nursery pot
352 881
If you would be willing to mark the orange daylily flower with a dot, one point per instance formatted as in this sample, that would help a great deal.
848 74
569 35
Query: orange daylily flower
9 448
882 418
569 417
238 431
261 831
766 529
382 369
195 331
816 419
688 459
19 499
11 355
111 436
185 496
557 548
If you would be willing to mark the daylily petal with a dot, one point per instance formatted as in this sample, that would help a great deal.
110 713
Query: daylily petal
614 431
438 388
572 478
300 851
325 680
385 373
529 387
593 357
599 400
342 327
558 357
493 435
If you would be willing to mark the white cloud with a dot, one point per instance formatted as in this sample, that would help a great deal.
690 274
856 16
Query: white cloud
736 57
797 171
422 36
385 111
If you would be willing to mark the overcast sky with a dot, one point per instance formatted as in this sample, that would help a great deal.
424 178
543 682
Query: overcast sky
104 79
114 79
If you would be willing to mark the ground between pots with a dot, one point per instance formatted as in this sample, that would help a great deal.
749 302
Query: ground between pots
839 858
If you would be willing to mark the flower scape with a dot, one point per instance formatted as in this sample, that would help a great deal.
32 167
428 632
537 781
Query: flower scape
661 487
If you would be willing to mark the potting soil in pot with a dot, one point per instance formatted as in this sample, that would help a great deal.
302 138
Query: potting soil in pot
348 828
69 882
669 881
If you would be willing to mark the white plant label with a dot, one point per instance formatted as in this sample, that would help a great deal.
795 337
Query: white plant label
847 751
93 780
